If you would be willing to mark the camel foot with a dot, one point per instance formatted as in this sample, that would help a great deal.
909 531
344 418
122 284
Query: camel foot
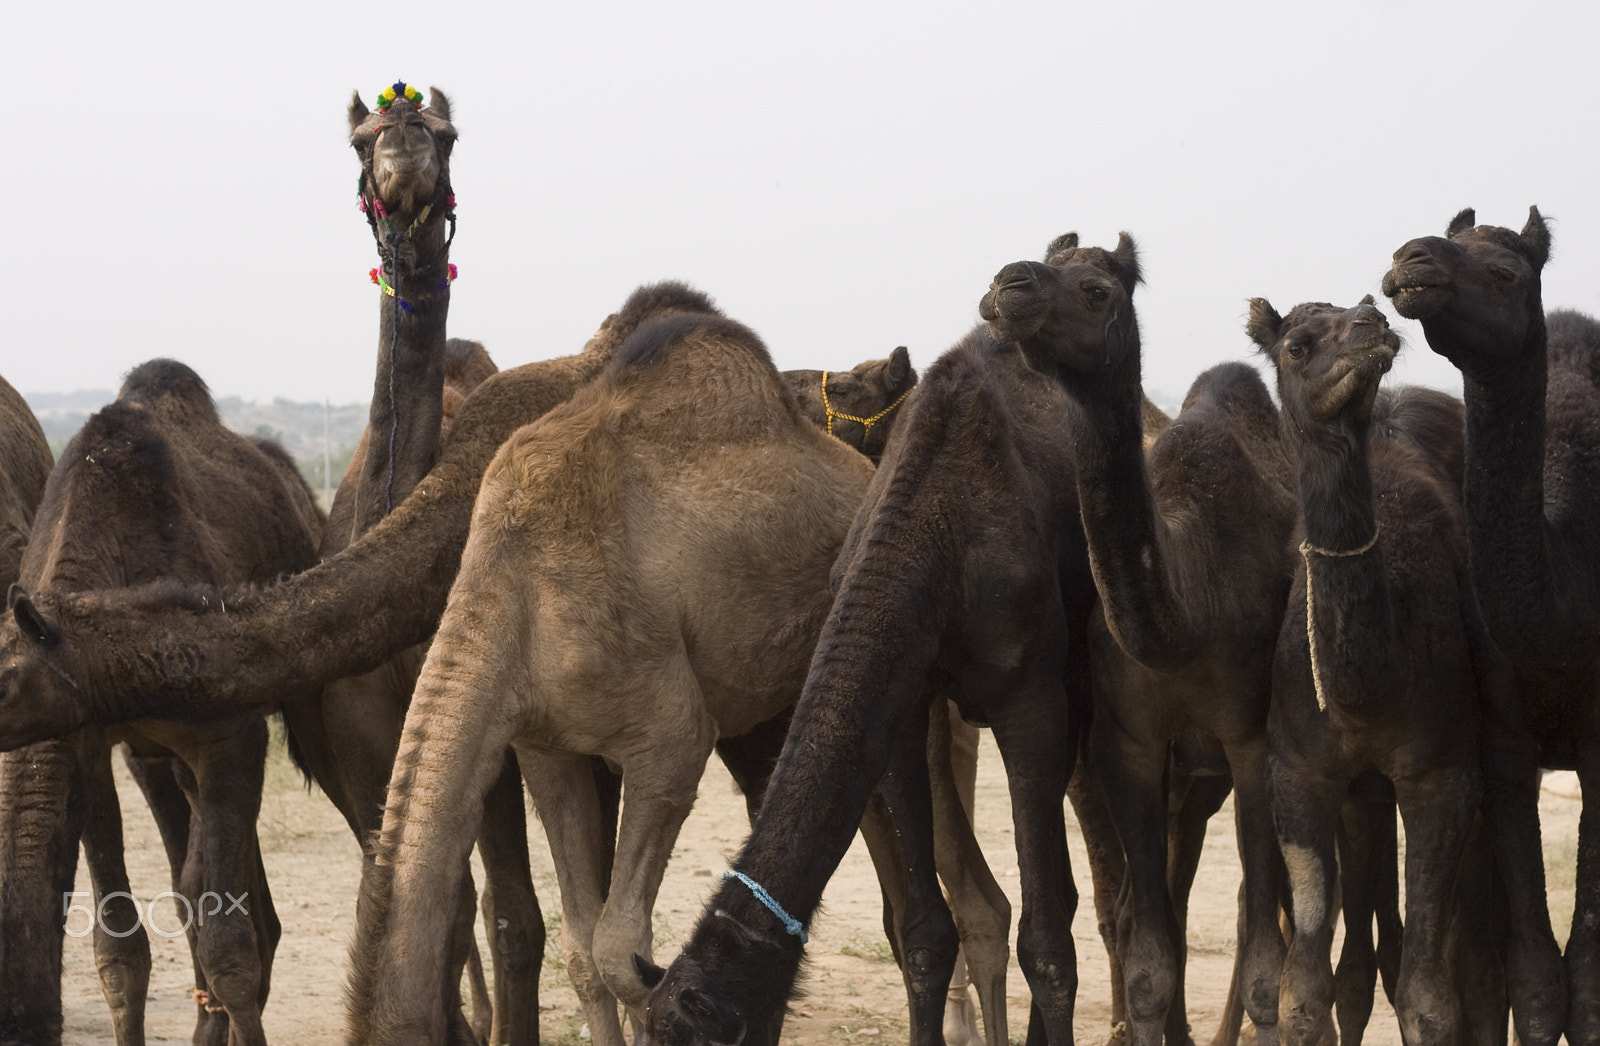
961 1019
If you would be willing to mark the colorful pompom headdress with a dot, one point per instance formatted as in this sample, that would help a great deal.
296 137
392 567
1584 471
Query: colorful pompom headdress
399 89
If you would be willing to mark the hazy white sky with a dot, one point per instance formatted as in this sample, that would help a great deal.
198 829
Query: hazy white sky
843 177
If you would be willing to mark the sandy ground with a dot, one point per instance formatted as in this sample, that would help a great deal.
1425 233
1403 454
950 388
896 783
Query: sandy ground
855 995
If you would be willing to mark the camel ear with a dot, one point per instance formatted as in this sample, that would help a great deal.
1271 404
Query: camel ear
1127 258
1368 300
899 367
649 973
440 104
1536 237
358 112
1264 323
30 621
1462 222
1067 241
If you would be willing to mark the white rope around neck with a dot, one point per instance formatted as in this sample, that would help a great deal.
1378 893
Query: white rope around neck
1307 549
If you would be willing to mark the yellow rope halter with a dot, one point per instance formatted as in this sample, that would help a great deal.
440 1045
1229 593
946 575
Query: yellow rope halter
865 423
1307 549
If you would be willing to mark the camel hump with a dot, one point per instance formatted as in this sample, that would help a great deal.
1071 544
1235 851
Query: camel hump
1572 339
467 364
656 339
1233 388
666 296
1430 422
168 383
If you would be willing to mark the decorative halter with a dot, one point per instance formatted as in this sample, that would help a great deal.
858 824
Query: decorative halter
1307 549
397 90
865 423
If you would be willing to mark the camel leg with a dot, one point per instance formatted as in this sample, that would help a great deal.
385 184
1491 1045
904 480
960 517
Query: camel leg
1134 779
660 790
1038 747
1261 946
511 910
224 880
1107 868
121 943
568 803
1583 943
1307 808
1200 797
42 806
1366 839
1478 938
1535 974
982 911
750 758
927 933
1438 812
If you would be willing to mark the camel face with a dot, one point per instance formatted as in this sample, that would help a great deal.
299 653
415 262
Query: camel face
1072 314
1478 286
404 150
37 689
1329 360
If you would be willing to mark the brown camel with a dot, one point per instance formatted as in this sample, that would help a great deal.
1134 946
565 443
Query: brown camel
672 528
30 969
1378 662
1190 553
1532 388
154 487
972 521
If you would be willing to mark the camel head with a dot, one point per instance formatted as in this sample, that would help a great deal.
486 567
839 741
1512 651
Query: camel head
39 688
1476 289
404 148
1071 313
1329 360
860 405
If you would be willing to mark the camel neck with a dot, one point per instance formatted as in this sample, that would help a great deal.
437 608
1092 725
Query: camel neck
1129 541
406 412
1349 613
1507 531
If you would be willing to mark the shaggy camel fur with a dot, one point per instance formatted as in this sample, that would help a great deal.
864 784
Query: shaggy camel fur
672 528
972 520
1378 660
154 486
1190 552
1532 388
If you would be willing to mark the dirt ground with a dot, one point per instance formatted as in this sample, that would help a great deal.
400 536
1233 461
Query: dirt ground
854 991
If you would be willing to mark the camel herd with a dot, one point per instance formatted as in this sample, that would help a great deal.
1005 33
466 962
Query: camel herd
580 577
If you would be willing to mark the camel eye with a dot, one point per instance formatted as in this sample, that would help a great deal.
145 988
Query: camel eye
1503 273
1297 350
1098 294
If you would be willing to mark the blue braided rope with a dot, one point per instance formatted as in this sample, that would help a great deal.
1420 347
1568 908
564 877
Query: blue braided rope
790 923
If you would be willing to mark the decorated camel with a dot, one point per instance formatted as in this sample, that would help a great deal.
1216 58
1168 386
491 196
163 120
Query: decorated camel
1378 662
154 488
1189 546
650 563
972 519
1531 383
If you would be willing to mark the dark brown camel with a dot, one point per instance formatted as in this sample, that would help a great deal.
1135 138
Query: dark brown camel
1532 390
30 951
656 552
154 487
965 577
1190 553
1377 664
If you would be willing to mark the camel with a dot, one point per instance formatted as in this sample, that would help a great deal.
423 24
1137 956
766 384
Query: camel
154 487
971 520
1532 392
1190 553
671 529
1378 661
30 1001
